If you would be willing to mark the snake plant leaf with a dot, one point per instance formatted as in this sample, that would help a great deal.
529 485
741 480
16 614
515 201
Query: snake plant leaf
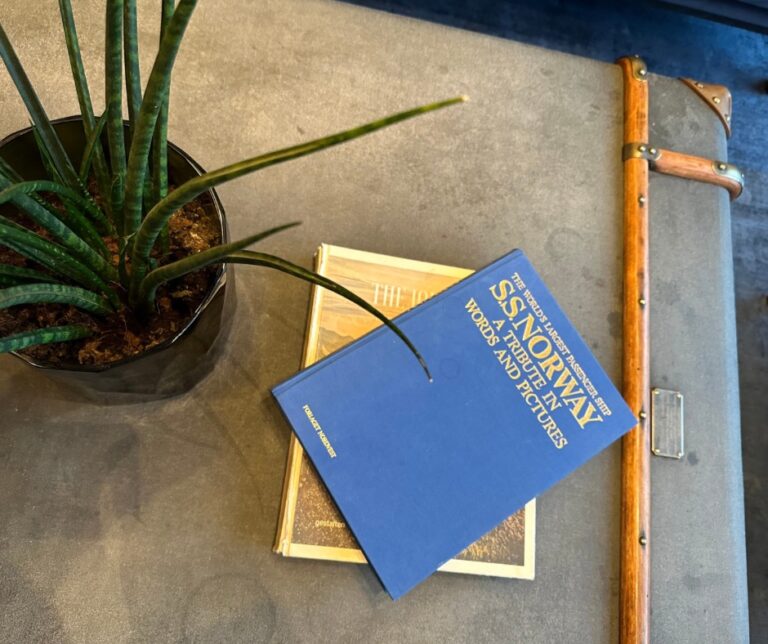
36 111
5 281
114 97
54 294
92 148
72 216
155 93
8 171
277 263
131 57
21 274
270 261
13 224
20 341
65 235
145 295
76 64
84 203
72 203
83 93
161 213
49 165
53 257
160 140
45 157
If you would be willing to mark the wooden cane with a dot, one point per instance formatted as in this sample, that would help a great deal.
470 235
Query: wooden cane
635 459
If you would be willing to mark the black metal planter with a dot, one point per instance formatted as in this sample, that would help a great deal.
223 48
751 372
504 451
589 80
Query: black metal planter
180 362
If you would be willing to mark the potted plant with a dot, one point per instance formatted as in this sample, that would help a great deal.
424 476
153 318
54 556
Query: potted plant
114 253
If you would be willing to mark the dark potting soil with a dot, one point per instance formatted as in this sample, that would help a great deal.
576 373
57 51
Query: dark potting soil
121 335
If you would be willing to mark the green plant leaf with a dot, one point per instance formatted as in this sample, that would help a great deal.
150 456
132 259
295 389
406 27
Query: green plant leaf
113 91
76 64
161 213
36 111
5 281
54 294
53 257
160 143
49 166
74 203
277 263
160 140
11 177
72 216
92 147
83 94
144 297
9 172
155 93
131 57
45 157
61 232
21 274
20 341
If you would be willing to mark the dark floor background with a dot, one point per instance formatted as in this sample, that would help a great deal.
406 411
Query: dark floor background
676 44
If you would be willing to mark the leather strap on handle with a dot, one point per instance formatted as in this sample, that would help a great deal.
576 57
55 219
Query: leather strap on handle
688 166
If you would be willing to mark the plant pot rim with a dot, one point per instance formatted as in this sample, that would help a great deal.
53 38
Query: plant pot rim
219 282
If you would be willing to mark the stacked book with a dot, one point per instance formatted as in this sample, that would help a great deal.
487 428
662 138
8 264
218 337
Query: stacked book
310 524
432 464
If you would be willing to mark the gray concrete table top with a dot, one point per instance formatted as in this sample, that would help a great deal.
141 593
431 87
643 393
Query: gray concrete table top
155 522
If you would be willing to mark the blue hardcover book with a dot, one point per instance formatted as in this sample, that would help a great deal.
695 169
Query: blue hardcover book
517 401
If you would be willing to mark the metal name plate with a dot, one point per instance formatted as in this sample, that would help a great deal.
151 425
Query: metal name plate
667 423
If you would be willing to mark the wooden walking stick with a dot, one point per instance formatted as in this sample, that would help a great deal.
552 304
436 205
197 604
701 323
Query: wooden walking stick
635 447
640 157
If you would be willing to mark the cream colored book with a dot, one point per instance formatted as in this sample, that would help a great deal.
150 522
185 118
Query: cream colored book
310 525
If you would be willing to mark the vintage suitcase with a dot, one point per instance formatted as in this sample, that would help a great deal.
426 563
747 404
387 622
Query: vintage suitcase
155 522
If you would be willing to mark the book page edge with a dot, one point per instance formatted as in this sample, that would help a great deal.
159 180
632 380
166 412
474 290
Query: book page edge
292 475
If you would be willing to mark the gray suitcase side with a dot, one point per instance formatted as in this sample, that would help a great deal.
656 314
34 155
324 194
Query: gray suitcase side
698 565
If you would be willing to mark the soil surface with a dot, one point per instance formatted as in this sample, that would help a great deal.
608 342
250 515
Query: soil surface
192 229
